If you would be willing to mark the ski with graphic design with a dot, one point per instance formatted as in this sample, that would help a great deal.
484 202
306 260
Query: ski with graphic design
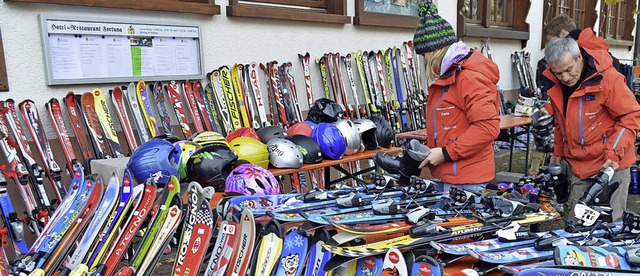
192 105
268 250
230 97
317 256
241 258
576 270
208 96
104 116
362 72
158 92
4 261
93 125
359 110
55 113
515 269
34 125
38 206
371 265
223 248
11 221
96 224
344 270
221 103
294 252
88 197
236 73
171 222
426 266
401 105
196 232
171 189
118 98
141 209
144 102
613 257
78 123
136 111
197 92
250 99
257 94
178 108
394 264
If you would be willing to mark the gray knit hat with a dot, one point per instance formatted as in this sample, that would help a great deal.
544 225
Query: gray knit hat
433 32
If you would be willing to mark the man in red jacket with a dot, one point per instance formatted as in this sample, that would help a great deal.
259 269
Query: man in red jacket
596 117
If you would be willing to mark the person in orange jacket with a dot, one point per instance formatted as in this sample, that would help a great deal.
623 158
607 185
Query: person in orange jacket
462 106
596 118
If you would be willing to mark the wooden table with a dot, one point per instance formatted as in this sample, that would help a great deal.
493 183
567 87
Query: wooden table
507 122
368 154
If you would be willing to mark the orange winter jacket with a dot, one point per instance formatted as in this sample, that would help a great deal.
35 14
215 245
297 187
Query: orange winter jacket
601 121
462 117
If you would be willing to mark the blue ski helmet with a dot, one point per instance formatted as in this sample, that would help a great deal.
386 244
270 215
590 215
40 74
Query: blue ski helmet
329 138
151 159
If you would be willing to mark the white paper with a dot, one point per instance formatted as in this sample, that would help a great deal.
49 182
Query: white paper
93 56
164 51
65 57
119 56
187 62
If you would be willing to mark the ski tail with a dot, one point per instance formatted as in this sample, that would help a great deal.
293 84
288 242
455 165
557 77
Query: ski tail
78 126
118 98
55 113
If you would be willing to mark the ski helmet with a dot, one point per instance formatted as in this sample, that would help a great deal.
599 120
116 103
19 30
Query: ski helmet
151 159
242 132
310 150
249 179
251 150
325 111
384 132
180 154
367 130
284 154
270 132
351 135
332 143
207 138
302 127
211 165
167 137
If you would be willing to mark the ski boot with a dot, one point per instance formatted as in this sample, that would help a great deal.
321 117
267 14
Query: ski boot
600 192
405 165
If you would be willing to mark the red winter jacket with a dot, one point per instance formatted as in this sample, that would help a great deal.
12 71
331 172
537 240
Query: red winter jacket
462 116
601 120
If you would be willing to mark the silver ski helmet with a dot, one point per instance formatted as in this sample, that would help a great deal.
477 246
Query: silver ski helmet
350 132
367 130
284 154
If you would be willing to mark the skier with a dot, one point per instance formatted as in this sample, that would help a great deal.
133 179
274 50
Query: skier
462 109
596 117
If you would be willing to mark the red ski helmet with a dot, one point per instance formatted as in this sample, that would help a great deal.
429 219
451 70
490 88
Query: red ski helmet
302 128
242 132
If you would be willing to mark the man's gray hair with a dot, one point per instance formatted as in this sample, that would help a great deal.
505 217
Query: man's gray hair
556 49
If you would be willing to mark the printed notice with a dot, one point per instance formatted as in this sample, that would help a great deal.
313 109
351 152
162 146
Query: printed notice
187 61
93 56
119 56
65 57
164 51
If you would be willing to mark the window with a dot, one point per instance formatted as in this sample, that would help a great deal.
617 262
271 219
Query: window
4 85
327 11
187 6
494 18
583 12
394 13
616 22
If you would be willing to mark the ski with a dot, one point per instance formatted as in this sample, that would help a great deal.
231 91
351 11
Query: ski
394 263
196 232
144 102
257 94
136 112
230 97
118 98
317 256
210 104
93 125
359 110
78 124
223 248
294 250
294 93
142 208
178 108
250 99
104 116
220 101
198 93
34 125
322 64
240 261
362 72
269 249
236 73
305 60
169 225
192 105
400 105
55 113
158 92
11 221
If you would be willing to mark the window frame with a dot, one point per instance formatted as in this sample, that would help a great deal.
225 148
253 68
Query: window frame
619 39
518 29
4 83
207 7
365 18
335 10
551 10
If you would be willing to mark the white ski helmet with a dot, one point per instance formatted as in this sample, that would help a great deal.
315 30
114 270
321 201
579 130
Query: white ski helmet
284 153
367 130
350 132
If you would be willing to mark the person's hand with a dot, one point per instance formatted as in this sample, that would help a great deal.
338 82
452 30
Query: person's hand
555 159
612 164
436 157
